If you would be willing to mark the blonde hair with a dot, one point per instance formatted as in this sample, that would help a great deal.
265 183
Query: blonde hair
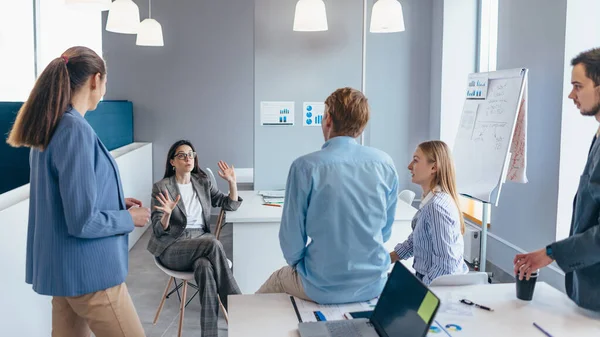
437 152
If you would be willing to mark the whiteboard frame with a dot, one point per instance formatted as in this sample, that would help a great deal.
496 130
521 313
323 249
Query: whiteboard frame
494 195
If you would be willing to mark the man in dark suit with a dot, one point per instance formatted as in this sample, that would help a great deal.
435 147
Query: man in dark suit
579 254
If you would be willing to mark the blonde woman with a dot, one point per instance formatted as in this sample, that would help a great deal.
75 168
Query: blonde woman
436 241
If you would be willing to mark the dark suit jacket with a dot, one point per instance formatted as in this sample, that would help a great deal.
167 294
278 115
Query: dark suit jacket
579 254
209 197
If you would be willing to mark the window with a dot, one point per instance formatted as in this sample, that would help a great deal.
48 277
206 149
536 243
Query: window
17 73
25 42
486 61
488 35
576 131
61 27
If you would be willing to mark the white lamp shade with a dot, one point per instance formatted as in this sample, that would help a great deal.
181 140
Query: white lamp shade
311 16
150 34
99 5
387 17
123 17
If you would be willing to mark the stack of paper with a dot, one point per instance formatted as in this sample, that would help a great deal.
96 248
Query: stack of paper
273 200
274 194
273 197
307 311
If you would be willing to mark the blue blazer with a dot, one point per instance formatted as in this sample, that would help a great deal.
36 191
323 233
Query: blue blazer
77 239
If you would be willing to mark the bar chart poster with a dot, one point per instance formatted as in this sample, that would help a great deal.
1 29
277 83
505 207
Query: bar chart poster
277 113
312 113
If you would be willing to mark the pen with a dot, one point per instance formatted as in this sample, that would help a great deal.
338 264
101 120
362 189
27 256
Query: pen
467 302
274 205
542 330
320 316
441 327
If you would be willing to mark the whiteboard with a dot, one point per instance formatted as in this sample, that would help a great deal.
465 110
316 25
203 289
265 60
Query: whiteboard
481 150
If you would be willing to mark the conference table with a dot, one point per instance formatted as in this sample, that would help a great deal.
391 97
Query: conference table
256 250
272 315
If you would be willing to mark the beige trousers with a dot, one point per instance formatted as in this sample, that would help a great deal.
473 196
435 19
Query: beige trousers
285 280
108 313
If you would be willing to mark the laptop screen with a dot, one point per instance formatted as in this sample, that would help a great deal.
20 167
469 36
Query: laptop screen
406 307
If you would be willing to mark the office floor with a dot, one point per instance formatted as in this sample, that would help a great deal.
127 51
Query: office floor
146 284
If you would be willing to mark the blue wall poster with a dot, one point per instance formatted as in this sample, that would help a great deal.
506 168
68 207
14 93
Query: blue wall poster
312 113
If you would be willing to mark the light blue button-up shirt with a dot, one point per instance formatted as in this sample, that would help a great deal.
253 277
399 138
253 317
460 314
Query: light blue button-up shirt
344 198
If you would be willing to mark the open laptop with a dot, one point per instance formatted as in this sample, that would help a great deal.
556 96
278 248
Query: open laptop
406 307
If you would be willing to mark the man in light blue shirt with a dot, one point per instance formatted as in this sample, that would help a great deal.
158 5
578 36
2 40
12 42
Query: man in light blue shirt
343 198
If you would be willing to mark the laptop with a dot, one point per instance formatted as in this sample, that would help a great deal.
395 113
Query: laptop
406 307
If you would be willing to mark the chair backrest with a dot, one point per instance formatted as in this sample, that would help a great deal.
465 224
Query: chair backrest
221 217
220 223
213 180
407 196
472 278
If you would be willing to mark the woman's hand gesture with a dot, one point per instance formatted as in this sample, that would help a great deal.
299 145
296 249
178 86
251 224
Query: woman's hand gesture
168 204
226 172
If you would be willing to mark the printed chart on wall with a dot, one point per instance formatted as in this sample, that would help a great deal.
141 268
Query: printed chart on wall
277 113
312 113
491 142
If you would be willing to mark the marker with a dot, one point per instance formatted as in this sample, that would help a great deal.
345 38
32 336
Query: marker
320 316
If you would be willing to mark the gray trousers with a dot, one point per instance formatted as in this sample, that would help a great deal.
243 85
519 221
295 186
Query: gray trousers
203 254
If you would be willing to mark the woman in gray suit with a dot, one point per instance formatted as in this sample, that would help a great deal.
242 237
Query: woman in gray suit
181 208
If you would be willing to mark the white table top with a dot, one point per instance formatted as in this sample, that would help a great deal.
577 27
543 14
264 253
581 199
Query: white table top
273 315
253 210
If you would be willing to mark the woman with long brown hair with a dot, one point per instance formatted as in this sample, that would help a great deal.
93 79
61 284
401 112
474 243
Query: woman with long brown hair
436 241
77 243
181 206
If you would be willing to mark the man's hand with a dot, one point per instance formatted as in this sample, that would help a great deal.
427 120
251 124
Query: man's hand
526 264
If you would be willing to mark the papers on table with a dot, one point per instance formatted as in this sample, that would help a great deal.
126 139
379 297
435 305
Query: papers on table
309 311
273 197
274 194
273 200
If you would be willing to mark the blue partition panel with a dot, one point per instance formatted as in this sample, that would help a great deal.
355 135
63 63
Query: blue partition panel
112 121
14 163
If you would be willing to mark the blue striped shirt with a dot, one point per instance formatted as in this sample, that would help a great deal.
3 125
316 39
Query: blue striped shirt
344 198
436 241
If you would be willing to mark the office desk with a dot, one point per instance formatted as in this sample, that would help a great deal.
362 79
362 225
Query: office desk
272 314
256 251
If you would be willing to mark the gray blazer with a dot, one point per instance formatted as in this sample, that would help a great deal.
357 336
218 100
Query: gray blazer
209 197
579 254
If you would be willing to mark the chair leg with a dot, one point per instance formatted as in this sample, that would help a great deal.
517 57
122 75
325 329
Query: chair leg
182 310
224 311
162 301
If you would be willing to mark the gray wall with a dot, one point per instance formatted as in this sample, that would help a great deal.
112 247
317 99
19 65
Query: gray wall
398 83
531 34
198 86
300 66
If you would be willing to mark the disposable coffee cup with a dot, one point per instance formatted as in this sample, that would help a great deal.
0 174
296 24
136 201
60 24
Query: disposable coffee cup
526 287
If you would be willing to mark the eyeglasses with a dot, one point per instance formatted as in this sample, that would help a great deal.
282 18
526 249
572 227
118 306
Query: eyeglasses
184 156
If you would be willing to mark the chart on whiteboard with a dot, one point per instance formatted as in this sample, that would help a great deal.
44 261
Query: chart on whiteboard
484 137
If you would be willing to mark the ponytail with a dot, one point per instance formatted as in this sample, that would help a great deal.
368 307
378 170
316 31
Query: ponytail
51 95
